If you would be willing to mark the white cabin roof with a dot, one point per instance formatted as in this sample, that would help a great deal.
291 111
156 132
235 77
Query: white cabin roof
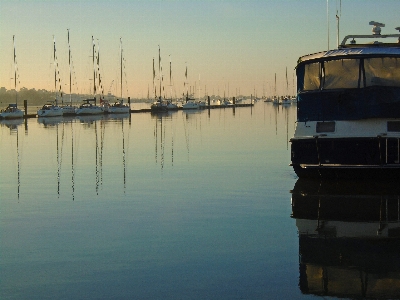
353 49
351 52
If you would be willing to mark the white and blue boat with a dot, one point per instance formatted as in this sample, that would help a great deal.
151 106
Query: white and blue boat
348 109
87 108
159 105
190 103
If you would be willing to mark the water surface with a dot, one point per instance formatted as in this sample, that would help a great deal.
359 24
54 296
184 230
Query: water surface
182 205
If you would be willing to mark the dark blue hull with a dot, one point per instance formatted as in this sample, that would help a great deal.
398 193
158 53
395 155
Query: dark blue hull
354 158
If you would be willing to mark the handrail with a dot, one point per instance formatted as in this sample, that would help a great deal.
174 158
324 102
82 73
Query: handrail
372 36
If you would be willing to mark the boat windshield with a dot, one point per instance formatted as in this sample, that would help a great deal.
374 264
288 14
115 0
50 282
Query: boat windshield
351 73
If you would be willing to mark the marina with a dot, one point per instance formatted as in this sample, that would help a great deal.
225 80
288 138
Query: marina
204 151
141 108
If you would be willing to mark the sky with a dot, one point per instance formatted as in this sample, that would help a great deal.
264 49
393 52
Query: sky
229 47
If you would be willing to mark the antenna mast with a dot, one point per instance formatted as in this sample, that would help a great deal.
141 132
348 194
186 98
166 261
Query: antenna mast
338 15
327 19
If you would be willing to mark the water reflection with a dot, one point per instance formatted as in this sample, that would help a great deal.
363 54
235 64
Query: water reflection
11 123
50 121
14 137
162 118
349 238
72 131
90 119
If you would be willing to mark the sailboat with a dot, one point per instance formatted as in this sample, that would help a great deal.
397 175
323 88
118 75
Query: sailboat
12 111
286 99
51 109
190 103
88 108
275 99
160 105
119 106
69 109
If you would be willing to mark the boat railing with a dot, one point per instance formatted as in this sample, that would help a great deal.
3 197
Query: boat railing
371 36
376 34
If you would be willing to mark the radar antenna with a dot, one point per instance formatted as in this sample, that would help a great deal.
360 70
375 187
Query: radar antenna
376 30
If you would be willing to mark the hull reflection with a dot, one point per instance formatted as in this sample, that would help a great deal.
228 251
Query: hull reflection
349 238
11 123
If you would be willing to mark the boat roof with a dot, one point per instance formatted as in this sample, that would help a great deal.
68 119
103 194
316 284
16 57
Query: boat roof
354 50
352 53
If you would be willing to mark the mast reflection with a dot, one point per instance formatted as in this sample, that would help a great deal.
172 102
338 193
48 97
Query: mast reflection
160 136
13 126
349 238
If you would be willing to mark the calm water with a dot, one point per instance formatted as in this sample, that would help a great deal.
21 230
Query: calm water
185 205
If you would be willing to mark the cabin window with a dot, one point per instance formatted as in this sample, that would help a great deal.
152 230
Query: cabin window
325 127
341 74
312 77
383 71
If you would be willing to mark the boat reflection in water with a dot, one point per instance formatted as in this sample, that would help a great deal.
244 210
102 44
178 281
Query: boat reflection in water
51 121
349 238
11 123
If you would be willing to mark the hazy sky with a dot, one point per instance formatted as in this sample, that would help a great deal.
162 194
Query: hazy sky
227 46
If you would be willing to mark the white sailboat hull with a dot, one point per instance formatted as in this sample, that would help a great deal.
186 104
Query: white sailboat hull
68 110
50 112
12 114
190 105
89 111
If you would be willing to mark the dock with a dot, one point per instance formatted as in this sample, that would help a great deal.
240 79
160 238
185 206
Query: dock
148 110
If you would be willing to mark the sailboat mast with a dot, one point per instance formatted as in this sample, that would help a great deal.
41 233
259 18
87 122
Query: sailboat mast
186 83
69 63
287 83
94 70
15 73
154 76
170 76
159 66
98 72
55 69
120 40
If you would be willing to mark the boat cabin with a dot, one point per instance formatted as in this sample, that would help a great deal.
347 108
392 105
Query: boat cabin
355 81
